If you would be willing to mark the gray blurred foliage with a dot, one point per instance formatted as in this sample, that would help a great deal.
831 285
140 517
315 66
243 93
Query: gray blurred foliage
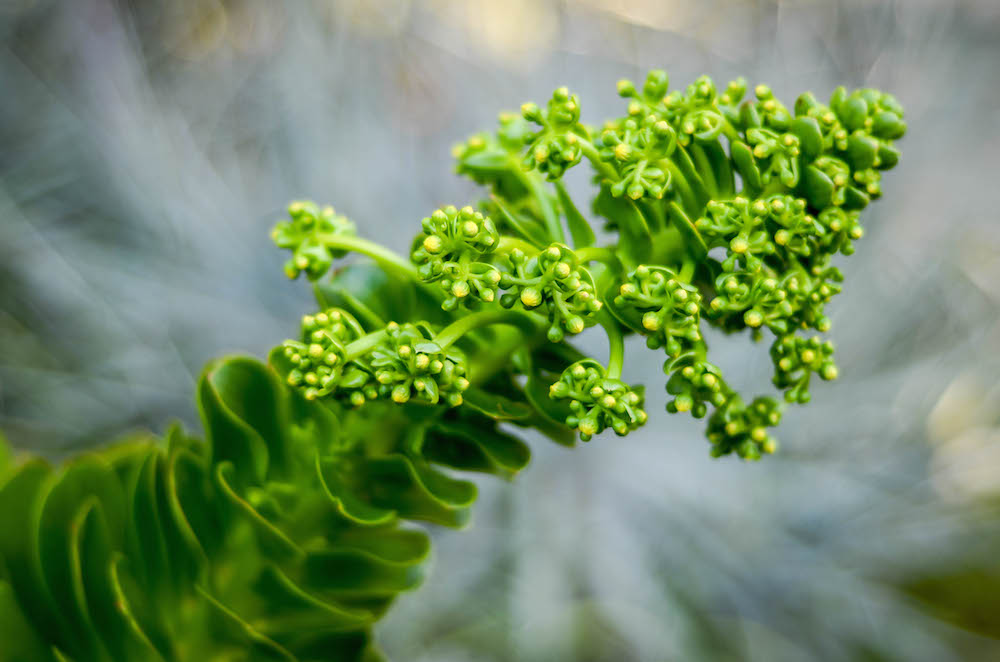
147 147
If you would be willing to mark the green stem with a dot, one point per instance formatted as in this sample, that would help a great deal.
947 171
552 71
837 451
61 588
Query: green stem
598 254
685 193
616 343
535 187
363 344
380 254
589 151
728 130
507 244
682 159
705 169
451 333
687 271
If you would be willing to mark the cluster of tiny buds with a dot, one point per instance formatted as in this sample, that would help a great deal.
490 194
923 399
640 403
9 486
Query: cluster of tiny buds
555 147
551 277
693 386
796 358
670 309
598 402
303 235
563 109
318 359
407 372
315 368
454 241
744 429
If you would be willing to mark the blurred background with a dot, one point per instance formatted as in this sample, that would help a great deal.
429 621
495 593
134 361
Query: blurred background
146 148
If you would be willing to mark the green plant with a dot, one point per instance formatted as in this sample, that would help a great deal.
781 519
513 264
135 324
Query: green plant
283 534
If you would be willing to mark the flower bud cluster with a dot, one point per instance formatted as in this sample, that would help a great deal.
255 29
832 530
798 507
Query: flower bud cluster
598 401
695 384
556 279
796 359
740 205
318 360
555 147
450 252
490 158
764 111
409 365
764 278
400 362
303 235
841 230
693 116
739 225
743 429
655 302
648 100
809 294
637 149
854 137
700 119
776 156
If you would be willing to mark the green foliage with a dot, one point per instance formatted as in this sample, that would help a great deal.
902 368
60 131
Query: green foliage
284 533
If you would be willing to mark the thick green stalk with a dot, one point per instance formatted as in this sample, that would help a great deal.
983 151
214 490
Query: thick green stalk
451 333
380 254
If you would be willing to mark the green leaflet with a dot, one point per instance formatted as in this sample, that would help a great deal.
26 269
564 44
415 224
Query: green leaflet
6 459
496 406
471 447
21 640
100 556
693 239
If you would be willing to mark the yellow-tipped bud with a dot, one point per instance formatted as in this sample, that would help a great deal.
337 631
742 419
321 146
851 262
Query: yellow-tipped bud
531 297
432 244
587 427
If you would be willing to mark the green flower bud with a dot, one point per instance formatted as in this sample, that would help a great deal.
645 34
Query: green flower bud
602 402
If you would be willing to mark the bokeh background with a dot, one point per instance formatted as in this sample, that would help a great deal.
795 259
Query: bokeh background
146 148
